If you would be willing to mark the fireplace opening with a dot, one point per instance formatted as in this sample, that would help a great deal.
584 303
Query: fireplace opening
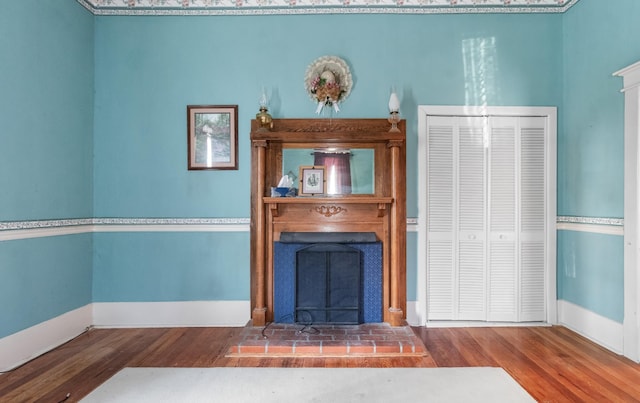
327 277
328 284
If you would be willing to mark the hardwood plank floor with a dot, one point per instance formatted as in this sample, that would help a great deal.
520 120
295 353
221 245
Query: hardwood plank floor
553 364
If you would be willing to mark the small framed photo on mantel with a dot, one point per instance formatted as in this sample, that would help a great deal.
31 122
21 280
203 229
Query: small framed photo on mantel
212 137
312 180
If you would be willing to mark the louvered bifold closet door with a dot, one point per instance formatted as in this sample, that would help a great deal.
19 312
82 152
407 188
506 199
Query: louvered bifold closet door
486 218
532 219
503 211
441 167
456 218
516 219
471 212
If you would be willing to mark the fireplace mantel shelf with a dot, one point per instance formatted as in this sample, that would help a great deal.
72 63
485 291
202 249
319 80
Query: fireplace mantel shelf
339 199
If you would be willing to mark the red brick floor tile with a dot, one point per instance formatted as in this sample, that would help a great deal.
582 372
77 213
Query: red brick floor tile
361 347
388 347
251 347
334 348
306 347
280 347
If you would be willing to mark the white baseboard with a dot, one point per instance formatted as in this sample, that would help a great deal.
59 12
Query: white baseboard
414 317
20 347
171 314
470 323
604 331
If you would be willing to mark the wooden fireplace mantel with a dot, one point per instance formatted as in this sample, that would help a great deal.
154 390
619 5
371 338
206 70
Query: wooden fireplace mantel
383 213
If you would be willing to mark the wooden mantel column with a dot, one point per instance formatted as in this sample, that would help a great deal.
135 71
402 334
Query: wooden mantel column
259 314
397 281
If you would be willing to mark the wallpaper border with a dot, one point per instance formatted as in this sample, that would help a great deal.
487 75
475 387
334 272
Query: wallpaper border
10 230
292 7
594 225
590 220
36 224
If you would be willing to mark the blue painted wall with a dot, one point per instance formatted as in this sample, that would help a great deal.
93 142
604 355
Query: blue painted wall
46 110
46 156
599 39
42 278
589 272
186 266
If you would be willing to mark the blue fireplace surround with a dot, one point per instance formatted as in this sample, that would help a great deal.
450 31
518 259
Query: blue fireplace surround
284 274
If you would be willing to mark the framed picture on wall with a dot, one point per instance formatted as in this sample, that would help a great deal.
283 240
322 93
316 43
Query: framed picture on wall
212 137
312 180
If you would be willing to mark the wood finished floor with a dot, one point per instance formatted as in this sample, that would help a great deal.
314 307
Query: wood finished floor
553 364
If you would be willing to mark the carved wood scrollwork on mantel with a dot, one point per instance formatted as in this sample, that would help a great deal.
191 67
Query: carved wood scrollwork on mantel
329 211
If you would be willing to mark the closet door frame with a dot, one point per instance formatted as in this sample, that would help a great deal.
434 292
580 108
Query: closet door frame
550 114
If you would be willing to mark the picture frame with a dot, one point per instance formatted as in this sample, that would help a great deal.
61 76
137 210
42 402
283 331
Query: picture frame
212 137
312 180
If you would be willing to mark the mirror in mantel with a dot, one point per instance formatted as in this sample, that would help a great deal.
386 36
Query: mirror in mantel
348 171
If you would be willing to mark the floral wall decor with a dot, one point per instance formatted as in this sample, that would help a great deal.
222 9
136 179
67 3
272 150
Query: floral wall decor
328 82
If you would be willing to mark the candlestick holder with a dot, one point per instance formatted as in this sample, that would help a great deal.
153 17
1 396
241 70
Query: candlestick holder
394 119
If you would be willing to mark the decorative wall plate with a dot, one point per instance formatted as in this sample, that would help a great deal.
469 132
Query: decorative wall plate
328 82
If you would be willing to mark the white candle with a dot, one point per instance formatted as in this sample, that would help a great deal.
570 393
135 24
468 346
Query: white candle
394 103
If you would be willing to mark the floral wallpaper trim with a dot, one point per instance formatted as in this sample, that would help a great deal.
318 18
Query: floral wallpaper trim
46 224
72 222
274 7
590 220
22 225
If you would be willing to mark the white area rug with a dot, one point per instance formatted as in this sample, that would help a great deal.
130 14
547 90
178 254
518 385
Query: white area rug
299 385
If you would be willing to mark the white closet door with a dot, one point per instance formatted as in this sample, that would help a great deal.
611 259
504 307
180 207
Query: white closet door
440 218
486 218
532 219
503 265
516 219
471 211
456 218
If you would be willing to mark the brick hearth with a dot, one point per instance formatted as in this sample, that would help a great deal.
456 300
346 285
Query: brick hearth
286 340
